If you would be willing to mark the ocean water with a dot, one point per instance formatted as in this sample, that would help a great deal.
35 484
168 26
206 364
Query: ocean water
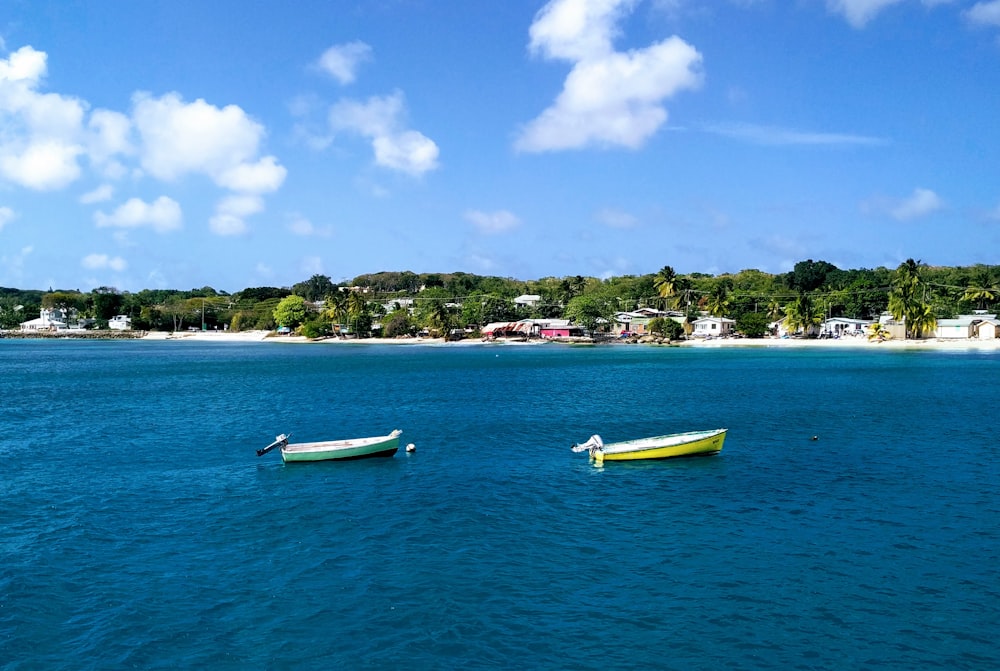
138 529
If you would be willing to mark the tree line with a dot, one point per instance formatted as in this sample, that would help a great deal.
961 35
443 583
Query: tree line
439 302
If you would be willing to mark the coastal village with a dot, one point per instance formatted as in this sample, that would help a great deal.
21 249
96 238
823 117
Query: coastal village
632 326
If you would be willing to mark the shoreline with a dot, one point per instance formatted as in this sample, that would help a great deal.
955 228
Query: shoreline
777 343
780 343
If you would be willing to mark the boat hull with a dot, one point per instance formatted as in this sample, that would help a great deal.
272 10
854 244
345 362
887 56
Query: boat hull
341 450
691 444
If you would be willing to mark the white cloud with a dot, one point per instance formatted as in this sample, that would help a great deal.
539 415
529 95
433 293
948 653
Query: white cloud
7 215
163 215
101 194
770 135
341 61
42 131
609 98
261 177
382 121
920 203
42 165
231 212
299 225
984 13
859 12
222 143
616 218
492 223
103 261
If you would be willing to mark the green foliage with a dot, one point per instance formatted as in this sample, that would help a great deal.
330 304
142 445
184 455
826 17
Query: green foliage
316 328
666 327
753 324
589 311
291 312
316 288
398 323
810 275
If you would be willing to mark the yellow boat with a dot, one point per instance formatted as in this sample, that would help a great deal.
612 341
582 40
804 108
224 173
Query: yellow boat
689 444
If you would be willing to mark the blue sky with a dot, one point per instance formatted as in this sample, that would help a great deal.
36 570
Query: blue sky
181 144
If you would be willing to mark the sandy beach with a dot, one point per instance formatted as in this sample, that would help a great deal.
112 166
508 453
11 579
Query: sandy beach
270 337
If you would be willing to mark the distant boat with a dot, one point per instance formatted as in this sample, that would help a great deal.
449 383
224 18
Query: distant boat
331 450
689 444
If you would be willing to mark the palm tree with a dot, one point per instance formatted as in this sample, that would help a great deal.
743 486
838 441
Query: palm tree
718 300
665 284
336 307
984 291
802 314
877 331
906 299
357 306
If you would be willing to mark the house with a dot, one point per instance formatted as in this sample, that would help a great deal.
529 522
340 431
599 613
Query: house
713 327
557 328
963 327
51 319
522 328
528 300
636 322
842 326
120 323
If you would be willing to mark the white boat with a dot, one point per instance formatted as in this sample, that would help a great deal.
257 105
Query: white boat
689 444
332 450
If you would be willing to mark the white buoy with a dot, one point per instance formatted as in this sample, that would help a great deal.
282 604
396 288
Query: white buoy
411 448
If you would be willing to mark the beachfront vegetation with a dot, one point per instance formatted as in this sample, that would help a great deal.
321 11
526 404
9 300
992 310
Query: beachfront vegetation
401 303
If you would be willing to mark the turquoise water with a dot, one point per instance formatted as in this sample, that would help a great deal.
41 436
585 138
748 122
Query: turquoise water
139 530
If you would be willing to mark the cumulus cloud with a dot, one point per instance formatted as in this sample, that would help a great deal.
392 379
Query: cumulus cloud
6 216
382 120
162 215
103 262
492 223
231 213
609 98
222 143
984 13
342 61
42 132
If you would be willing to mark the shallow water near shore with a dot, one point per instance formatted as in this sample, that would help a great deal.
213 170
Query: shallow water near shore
139 529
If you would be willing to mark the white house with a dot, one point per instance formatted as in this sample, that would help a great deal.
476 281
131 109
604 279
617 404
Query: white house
713 327
120 323
528 300
51 319
982 326
842 326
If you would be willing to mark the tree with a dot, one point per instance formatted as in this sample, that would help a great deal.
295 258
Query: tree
906 300
810 275
291 311
802 314
752 324
983 291
666 327
336 308
589 311
665 284
718 300
315 288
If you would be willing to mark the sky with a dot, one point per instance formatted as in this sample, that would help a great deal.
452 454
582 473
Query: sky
234 144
